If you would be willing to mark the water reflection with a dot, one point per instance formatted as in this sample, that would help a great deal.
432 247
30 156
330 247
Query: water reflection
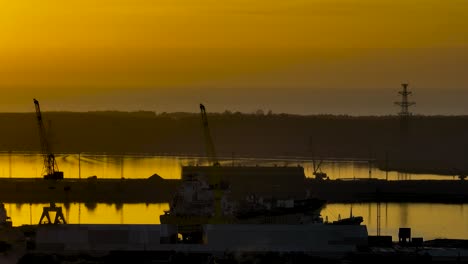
429 221
96 213
28 165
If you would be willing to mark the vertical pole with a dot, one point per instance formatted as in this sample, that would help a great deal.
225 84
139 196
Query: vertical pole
354 176
79 213
370 162
386 215
122 167
9 209
122 215
79 165
378 218
386 165
9 162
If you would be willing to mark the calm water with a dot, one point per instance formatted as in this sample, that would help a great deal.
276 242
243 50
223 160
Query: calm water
111 166
426 220
98 213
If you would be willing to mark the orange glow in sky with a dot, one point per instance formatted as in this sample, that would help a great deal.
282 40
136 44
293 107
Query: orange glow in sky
96 55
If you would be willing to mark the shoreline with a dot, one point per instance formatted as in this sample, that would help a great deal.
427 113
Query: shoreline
158 190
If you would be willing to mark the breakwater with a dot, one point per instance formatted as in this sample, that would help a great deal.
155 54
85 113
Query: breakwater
158 190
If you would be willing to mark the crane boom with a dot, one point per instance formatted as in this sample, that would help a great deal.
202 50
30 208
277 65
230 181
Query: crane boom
210 149
215 179
50 164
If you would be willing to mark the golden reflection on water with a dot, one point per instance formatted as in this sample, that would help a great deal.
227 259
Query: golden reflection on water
102 166
426 220
100 213
429 221
128 166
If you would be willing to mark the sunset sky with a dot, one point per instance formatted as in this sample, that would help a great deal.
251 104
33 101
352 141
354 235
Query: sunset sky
296 56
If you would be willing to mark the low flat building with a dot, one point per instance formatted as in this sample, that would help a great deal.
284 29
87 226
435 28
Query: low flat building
315 239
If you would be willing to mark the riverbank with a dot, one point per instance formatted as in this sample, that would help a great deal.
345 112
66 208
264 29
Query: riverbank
433 144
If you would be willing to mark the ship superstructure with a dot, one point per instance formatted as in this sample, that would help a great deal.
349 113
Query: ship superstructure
195 203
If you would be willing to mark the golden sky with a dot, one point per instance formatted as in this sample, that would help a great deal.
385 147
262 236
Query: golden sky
167 55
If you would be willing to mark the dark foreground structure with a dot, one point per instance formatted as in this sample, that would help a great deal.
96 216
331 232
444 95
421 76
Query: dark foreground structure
319 243
299 242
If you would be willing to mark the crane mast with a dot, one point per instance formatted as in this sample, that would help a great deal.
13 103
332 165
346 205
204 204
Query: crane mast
50 164
210 149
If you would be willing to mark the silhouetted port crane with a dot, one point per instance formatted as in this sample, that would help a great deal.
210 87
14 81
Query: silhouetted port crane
50 165
215 178
210 149
318 173
46 218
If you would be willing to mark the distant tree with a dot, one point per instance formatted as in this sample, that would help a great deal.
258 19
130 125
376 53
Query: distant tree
259 112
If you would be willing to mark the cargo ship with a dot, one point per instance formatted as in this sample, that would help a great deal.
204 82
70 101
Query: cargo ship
208 218
195 203
205 197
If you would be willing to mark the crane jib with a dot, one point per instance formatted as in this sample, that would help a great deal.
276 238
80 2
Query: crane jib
50 164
